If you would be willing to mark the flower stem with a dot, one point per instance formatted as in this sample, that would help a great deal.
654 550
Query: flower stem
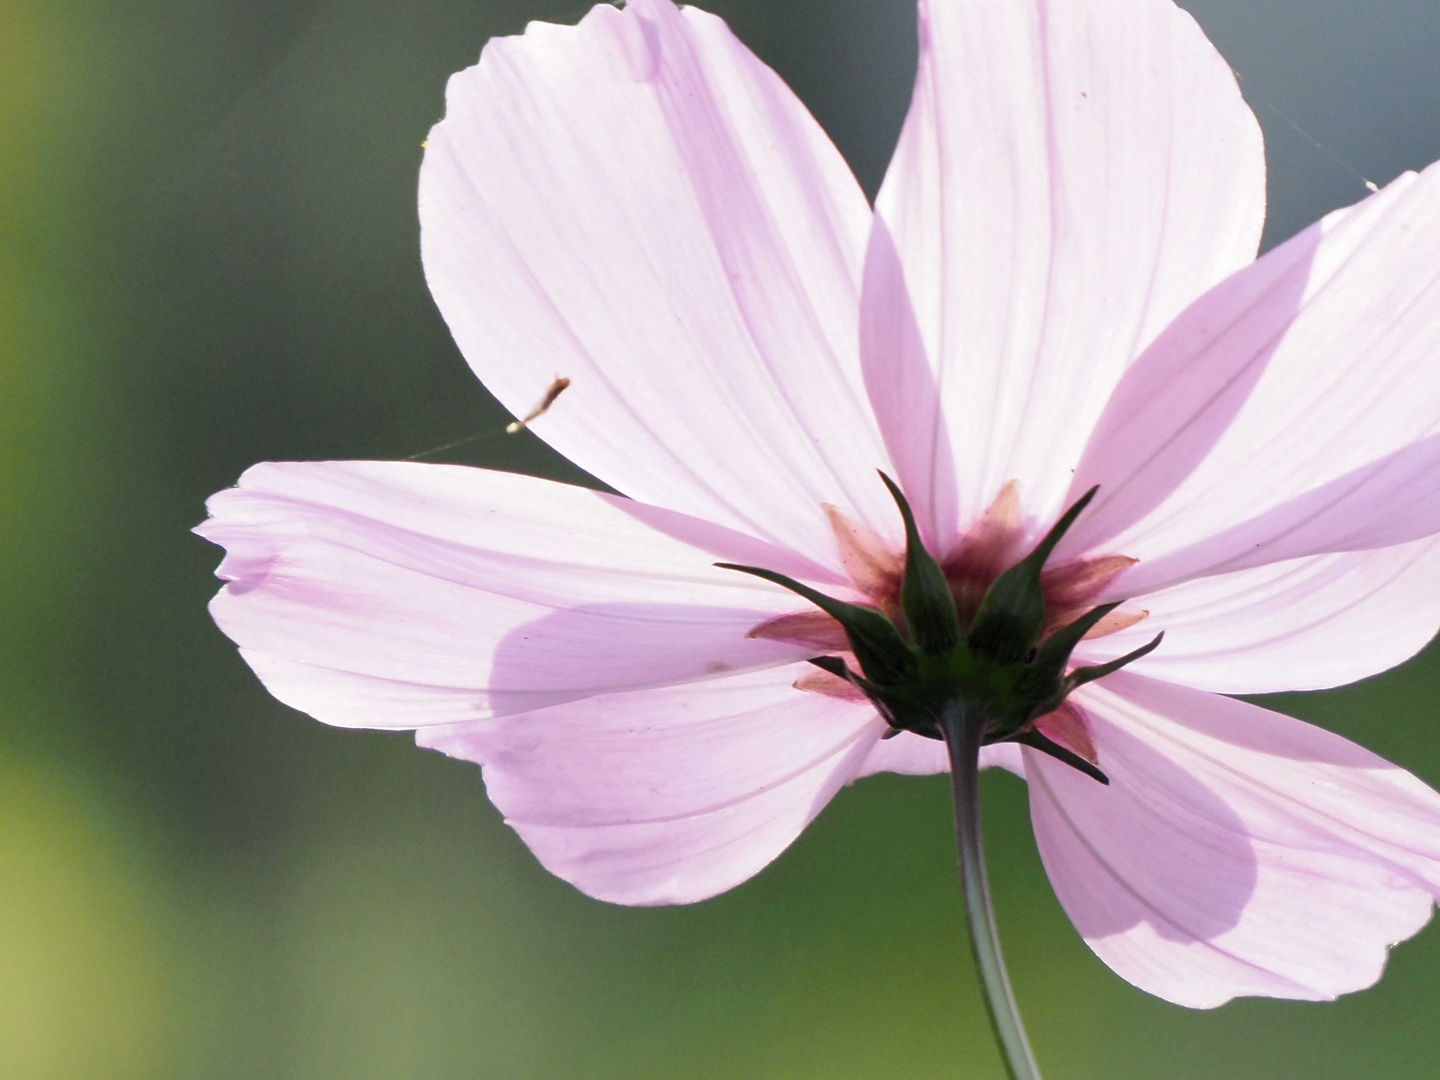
963 732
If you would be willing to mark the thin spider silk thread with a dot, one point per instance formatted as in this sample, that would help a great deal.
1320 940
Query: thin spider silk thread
481 437
1289 121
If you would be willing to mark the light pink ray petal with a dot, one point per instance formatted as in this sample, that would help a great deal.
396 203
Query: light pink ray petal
910 755
638 204
1294 410
394 594
1072 173
668 796
1304 624
907 754
1236 851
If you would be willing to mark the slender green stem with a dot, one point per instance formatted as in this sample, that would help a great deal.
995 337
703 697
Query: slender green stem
963 732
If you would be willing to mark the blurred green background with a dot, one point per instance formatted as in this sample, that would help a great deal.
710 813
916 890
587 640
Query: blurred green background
208 257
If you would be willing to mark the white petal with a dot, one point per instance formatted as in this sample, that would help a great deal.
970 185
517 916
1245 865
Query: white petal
638 204
668 796
1235 851
1070 176
393 594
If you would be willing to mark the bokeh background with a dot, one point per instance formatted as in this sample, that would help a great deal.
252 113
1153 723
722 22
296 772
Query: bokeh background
208 257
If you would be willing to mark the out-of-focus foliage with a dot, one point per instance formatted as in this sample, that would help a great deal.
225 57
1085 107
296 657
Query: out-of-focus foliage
208 257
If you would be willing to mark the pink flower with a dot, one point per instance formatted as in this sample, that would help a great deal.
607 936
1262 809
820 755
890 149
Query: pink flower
1056 289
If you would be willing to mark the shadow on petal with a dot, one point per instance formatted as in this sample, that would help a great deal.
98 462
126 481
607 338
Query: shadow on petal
1179 397
1237 852
1156 846
669 795
731 545
904 392
1392 500
572 653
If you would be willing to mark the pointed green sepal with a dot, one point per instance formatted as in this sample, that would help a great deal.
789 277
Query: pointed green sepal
837 667
883 705
1002 675
1036 741
1054 652
1081 676
882 652
1013 609
925 595
834 665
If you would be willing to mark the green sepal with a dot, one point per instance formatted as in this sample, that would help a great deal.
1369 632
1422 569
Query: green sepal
882 652
1051 656
1037 741
1083 675
1002 672
1013 609
835 666
925 595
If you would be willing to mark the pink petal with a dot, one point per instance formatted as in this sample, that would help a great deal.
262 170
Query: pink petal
907 754
668 796
1292 411
640 205
1070 176
1236 851
394 594
910 755
1305 624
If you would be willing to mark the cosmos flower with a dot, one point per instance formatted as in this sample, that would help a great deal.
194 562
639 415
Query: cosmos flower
1056 289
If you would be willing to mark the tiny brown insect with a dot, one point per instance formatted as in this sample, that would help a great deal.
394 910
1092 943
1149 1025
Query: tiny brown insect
555 390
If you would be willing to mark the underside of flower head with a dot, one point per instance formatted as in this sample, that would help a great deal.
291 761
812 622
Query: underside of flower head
1001 652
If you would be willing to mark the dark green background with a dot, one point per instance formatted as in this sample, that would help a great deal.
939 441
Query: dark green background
208 257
